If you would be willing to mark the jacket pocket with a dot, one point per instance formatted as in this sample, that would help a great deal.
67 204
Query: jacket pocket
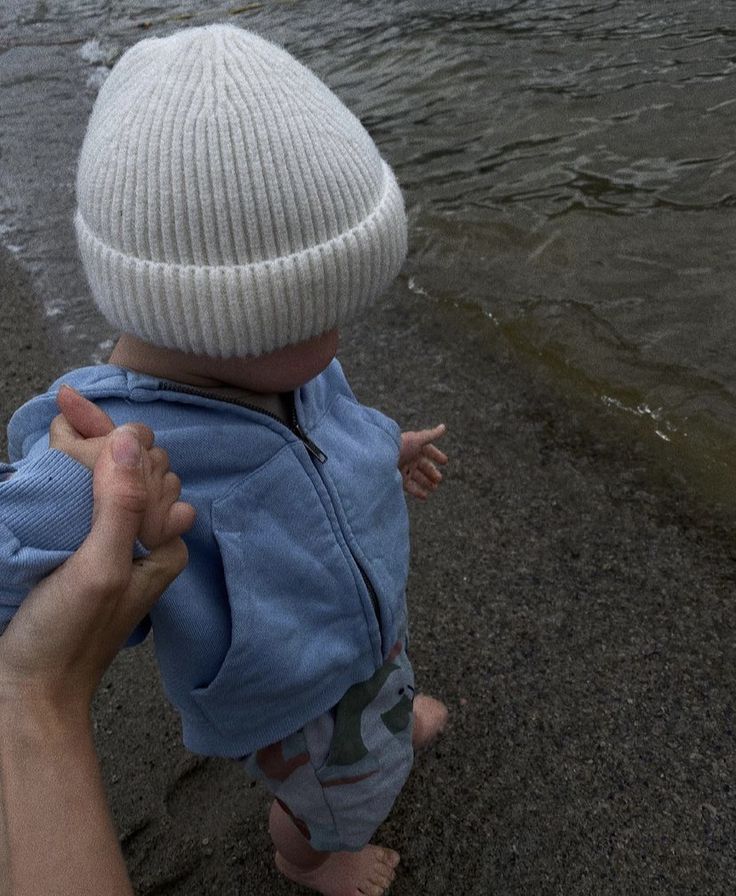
295 610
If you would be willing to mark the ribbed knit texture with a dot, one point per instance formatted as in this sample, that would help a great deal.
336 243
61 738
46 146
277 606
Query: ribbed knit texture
228 202
40 486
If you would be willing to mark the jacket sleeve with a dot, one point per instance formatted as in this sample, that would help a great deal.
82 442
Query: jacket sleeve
45 515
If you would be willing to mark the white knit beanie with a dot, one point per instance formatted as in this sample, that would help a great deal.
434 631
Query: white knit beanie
227 202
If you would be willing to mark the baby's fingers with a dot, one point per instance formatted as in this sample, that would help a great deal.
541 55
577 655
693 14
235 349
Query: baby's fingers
424 480
166 516
428 468
434 454
158 462
413 488
170 487
180 519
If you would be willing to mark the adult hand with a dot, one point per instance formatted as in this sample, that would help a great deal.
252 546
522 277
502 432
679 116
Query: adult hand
66 632
81 430
56 833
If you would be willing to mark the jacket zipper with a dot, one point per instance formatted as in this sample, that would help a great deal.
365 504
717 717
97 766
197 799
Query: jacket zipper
371 593
294 426
314 450
319 455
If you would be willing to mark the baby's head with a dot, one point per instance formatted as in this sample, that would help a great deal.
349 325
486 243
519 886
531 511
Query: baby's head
229 205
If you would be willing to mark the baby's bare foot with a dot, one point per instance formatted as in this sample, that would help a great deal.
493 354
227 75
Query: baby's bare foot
365 873
430 718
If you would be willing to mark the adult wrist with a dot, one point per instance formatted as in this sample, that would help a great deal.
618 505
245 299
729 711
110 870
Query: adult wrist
31 716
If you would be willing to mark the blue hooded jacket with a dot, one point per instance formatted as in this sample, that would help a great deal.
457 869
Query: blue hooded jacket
295 585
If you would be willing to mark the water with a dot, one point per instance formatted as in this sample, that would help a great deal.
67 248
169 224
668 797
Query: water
569 168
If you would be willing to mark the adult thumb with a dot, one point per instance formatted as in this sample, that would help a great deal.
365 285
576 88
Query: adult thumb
120 496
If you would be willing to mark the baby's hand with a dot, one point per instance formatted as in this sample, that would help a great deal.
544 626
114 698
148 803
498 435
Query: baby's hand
418 461
165 517
82 431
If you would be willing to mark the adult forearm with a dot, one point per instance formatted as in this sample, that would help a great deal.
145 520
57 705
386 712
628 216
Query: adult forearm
55 824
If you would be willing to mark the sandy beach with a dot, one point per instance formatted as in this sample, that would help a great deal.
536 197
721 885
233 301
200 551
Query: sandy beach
573 609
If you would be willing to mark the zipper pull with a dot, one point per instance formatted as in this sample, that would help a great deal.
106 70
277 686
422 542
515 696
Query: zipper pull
313 449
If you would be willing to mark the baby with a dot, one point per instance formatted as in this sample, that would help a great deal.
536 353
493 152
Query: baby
232 214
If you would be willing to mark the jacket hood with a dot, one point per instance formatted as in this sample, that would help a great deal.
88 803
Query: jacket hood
30 423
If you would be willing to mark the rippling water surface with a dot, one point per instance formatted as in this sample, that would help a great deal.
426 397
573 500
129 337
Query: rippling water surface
569 168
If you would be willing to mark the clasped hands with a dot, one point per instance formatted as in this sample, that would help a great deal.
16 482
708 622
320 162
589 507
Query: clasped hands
67 631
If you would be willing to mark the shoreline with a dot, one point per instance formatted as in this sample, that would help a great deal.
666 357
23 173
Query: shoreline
571 606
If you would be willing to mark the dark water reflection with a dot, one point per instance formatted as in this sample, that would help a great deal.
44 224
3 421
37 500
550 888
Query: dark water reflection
568 168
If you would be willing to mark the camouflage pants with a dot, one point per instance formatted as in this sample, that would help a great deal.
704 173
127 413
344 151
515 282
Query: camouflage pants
339 775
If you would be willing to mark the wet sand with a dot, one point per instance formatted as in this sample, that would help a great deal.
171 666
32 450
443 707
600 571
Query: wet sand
570 605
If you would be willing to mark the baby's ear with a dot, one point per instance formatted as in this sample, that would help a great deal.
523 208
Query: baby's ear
82 415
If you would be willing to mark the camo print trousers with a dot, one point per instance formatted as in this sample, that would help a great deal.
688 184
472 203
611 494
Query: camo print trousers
339 775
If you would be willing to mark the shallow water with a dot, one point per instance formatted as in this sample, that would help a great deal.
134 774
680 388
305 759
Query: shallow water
569 168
